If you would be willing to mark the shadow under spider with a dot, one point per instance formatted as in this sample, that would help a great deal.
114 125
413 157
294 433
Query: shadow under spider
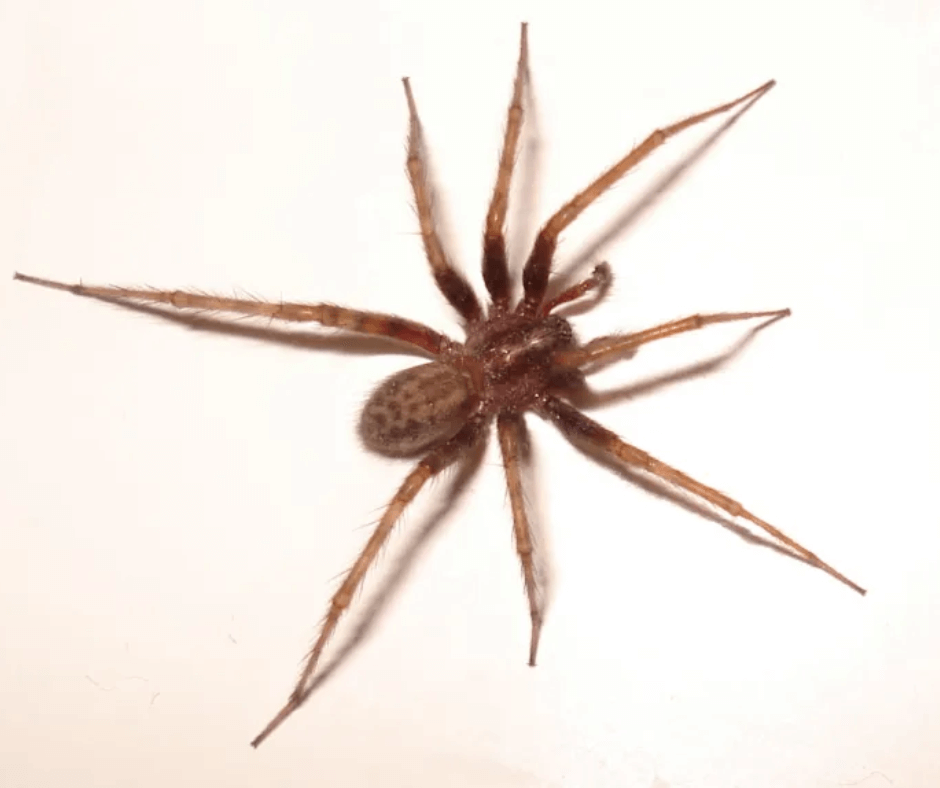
514 361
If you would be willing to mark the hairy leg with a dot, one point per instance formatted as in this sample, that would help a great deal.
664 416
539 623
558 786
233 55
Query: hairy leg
575 424
510 426
450 282
604 348
325 314
538 266
430 466
495 267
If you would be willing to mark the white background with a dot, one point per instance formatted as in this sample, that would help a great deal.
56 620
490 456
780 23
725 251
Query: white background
175 506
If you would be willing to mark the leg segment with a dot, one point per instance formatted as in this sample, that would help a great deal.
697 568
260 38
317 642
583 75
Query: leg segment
430 466
575 424
325 314
603 348
509 427
495 268
535 274
599 279
454 287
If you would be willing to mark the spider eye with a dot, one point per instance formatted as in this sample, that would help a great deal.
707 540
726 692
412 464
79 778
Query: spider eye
414 409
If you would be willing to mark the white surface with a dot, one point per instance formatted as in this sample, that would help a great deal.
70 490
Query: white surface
176 505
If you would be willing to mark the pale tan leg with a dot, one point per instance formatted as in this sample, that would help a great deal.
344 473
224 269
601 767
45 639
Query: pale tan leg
535 274
495 266
430 466
576 425
325 314
509 426
610 346
449 281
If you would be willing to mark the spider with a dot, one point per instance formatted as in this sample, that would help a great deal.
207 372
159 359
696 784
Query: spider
518 356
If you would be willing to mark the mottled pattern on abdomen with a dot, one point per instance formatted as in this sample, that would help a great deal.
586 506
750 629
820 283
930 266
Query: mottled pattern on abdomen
414 409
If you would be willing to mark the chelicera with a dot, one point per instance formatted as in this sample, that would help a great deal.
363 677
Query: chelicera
518 356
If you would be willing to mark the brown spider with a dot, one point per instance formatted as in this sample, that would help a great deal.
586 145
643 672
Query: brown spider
516 357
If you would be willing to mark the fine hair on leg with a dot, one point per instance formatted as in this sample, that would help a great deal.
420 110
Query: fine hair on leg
431 465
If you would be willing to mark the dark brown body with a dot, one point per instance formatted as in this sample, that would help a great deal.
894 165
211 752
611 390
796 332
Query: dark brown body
506 365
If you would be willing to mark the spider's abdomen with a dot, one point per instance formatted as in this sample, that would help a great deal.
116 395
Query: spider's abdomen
414 409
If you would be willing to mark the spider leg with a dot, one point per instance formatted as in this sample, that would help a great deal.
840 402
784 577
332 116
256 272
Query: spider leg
449 281
575 424
431 465
537 267
495 268
599 279
510 426
329 315
607 347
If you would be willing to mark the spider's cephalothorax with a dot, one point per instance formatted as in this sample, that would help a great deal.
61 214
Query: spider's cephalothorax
516 358
511 359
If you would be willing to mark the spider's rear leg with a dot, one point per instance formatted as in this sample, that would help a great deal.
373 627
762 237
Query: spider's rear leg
609 347
495 267
537 267
329 315
450 282
432 464
576 425
510 428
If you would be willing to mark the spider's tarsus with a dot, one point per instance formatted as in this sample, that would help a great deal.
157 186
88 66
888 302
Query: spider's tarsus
764 88
412 109
289 708
534 642
36 280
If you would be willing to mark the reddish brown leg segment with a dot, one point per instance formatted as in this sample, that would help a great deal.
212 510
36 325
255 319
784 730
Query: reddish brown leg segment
431 465
576 425
538 266
454 287
509 426
495 267
610 346
329 315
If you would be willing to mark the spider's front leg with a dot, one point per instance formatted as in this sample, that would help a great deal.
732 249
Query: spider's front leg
450 282
575 425
432 464
329 315
609 347
538 266
495 267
